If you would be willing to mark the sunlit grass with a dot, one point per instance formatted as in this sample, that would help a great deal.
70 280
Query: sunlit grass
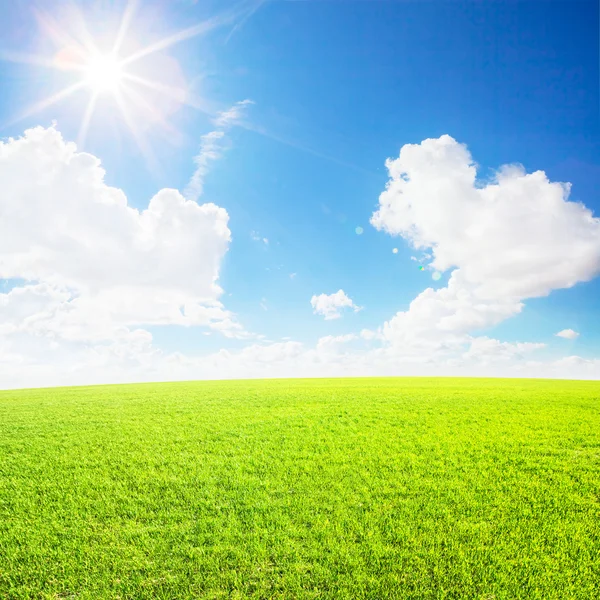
363 488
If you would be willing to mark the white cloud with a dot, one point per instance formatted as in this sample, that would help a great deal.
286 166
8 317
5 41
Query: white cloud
333 356
212 147
568 334
592 365
368 334
515 238
132 358
329 306
233 115
211 150
331 343
487 350
95 264
98 271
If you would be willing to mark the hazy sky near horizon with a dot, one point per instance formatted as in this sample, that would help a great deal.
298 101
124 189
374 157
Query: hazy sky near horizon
298 188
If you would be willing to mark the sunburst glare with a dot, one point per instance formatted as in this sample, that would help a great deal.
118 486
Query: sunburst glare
104 73
113 75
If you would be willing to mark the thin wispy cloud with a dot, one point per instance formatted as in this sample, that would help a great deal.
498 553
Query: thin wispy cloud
251 11
241 11
212 147
303 148
233 115
259 238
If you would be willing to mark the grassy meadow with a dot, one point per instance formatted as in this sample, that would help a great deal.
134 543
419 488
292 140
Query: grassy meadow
340 488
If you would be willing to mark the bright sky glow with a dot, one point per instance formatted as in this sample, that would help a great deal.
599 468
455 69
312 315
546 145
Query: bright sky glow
110 73
104 73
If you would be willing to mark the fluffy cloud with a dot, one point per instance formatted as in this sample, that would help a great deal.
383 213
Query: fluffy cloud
329 306
487 350
517 236
568 334
342 356
331 344
514 238
94 263
97 271
131 357
591 365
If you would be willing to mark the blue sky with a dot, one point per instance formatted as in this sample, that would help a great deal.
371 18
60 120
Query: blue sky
337 87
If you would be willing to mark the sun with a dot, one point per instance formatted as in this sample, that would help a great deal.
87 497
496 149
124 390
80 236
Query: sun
107 74
103 73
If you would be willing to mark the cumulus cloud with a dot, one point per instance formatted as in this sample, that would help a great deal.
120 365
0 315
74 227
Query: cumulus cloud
91 262
368 334
592 365
331 344
97 271
131 357
568 334
330 306
514 238
486 349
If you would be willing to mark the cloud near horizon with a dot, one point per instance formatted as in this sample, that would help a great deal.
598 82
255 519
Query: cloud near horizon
96 272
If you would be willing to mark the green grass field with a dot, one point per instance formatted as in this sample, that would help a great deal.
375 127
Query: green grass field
350 488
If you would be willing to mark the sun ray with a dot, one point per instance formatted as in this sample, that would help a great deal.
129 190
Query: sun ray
177 94
47 102
85 121
84 36
245 19
224 18
157 116
180 36
37 60
59 37
292 144
143 147
128 14
104 70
